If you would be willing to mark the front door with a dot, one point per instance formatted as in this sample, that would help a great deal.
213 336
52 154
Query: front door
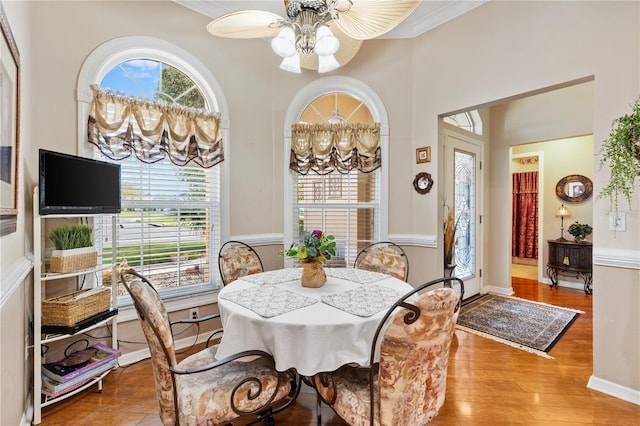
463 184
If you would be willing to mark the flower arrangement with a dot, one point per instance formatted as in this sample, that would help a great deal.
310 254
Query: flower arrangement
580 231
314 247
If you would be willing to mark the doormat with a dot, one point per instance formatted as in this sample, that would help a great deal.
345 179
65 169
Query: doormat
531 326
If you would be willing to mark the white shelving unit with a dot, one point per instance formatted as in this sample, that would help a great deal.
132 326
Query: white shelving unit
41 279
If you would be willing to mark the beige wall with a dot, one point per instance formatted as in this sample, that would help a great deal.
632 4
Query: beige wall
520 56
456 66
15 248
559 158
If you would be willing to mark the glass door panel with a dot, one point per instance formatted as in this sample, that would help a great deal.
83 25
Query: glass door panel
465 212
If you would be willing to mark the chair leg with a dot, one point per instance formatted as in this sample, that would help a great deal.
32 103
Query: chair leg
319 408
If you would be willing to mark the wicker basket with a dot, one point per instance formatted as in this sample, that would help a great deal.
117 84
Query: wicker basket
71 308
73 260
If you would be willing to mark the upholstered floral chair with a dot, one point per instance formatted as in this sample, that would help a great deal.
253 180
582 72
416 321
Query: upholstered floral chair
201 390
410 353
237 259
385 257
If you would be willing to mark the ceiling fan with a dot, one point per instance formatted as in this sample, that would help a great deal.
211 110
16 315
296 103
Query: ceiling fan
316 34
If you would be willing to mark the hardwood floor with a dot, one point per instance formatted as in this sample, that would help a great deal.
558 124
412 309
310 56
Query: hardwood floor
529 272
488 384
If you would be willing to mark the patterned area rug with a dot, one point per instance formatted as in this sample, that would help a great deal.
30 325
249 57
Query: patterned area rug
532 326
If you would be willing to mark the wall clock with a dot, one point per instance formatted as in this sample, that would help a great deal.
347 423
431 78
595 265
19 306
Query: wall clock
422 183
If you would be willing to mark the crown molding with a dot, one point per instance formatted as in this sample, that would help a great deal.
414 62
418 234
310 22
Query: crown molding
426 16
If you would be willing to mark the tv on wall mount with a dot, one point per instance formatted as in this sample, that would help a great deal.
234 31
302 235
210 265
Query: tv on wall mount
69 184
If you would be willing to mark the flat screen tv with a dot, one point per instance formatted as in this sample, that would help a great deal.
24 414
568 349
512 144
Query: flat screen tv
76 185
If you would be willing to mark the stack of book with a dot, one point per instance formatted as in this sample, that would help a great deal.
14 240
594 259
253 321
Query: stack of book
58 379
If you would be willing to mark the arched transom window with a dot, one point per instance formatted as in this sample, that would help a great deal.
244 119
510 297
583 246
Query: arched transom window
468 120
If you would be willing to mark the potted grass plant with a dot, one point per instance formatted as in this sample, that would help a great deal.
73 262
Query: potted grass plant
73 248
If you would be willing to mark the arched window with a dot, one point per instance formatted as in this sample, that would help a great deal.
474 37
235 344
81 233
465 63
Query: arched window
469 121
341 200
171 220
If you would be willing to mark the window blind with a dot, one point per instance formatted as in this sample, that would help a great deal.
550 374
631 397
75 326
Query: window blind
169 226
344 205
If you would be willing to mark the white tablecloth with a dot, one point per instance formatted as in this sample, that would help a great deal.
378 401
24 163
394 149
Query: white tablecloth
311 336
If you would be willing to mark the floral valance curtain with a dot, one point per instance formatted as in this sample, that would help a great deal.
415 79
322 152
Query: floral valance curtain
324 148
152 130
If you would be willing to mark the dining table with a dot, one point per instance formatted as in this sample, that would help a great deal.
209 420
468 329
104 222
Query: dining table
311 330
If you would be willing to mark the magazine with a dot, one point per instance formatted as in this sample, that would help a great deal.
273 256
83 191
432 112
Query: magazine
64 373
53 388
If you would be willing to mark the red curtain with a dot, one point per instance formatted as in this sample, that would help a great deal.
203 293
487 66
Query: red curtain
524 227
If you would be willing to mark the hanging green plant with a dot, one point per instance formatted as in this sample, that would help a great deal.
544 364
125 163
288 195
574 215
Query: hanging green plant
621 152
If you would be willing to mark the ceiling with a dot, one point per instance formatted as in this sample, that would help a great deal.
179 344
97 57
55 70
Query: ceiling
428 15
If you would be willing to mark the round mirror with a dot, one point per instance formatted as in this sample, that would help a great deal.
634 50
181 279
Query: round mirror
574 188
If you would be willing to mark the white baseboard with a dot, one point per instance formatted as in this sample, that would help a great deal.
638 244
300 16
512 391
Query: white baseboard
507 291
621 392
566 284
139 355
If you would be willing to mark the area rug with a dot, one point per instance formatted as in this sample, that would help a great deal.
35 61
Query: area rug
531 326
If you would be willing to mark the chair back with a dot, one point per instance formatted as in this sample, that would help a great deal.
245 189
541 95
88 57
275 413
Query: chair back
414 339
157 330
386 257
237 259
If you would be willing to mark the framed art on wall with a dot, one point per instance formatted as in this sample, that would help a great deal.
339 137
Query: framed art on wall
423 155
9 127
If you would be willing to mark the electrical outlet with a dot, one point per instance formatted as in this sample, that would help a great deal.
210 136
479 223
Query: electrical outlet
617 221
193 313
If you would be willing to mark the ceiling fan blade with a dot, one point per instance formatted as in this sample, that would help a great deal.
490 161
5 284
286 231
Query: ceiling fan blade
348 46
246 24
346 52
367 19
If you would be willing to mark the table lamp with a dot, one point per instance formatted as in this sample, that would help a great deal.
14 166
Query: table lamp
562 212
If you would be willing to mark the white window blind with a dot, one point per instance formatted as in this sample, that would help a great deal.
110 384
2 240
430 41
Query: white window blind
345 205
168 229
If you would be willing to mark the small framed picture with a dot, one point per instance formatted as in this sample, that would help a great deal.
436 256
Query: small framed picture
423 155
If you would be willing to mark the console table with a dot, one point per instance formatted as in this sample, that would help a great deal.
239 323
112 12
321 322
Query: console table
570 258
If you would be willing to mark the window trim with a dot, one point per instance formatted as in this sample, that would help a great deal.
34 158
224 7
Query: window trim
111 53
300 102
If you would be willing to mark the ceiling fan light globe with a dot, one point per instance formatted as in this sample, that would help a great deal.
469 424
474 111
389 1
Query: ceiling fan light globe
291 64
327 63
326 43
284 44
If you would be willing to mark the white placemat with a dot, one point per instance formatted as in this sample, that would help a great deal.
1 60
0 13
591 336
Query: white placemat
274 277
269 301
363 301
354 275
